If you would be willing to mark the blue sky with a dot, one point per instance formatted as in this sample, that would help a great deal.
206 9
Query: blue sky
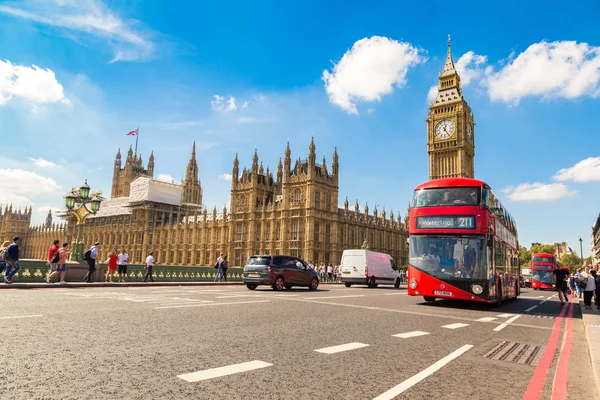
77 75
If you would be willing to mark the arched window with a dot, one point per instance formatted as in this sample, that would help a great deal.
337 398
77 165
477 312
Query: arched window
297 196
318 200
242 204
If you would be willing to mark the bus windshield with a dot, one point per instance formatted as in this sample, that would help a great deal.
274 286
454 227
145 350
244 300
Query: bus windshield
451 196
542 276
449 257
543 259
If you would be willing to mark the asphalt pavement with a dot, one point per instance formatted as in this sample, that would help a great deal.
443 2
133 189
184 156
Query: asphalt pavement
227 342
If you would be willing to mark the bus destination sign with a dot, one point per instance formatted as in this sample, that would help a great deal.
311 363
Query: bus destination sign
446 222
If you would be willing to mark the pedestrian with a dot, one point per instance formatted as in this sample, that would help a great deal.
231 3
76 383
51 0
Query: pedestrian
596 275
577 280
321 272
62 262
2 260
90 257
11 255
52 261
572 284
330 272
562 274
588 284
219 273
149 264
123 260
224 266
112 265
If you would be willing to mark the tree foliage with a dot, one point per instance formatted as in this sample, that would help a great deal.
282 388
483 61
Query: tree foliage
572 261
543 248
524 256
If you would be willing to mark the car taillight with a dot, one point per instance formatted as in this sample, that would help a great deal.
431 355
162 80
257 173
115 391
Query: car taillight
366 270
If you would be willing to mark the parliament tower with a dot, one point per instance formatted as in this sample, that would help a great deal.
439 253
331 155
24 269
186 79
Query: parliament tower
450 128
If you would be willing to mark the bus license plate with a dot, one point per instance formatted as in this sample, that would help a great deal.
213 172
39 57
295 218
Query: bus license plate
442 293
346 272
253 275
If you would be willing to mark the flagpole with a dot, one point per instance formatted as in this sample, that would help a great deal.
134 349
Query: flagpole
136 138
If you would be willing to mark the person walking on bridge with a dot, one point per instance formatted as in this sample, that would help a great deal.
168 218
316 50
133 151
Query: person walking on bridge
588 284
562 275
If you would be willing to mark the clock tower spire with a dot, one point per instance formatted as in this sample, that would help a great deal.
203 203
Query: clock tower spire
450 127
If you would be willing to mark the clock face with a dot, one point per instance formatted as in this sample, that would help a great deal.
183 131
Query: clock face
470 132
444 129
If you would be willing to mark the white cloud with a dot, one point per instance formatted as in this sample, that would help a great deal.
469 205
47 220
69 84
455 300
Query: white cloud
432 94
7 198
373 67
88 17
538 191
584 171
225 177
220 103
33 84
549 69
40 162
165 178
470 66
19 181
44 210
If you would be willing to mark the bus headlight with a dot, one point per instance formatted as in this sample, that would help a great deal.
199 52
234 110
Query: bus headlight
413 283
477 289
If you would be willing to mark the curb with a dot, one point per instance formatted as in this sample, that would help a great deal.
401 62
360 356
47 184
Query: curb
591 318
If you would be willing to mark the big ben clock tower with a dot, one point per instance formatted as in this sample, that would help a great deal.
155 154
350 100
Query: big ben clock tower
450 128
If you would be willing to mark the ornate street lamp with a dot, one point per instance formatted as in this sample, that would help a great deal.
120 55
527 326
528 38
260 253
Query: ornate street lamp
77 201
581 248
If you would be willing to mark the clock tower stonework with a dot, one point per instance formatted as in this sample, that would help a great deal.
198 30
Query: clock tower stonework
450 128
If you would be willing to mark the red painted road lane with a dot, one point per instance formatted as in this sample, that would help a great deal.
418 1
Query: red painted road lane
559 389
536 385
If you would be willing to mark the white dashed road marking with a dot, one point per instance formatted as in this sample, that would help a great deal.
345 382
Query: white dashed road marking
212 304
21 316
505 315
393 294
334 297
236 295
340 348
223 371
486 319
530 308
504 325
411 334
455 326
410 382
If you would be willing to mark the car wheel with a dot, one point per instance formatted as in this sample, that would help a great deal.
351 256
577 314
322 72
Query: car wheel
314 284
429 299
251 286
397 284
372 283
347 284
288 287
278 285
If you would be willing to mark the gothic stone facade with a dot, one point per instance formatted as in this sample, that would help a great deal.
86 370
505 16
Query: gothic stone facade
296 212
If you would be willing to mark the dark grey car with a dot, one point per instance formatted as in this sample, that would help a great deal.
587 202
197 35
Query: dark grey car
279 272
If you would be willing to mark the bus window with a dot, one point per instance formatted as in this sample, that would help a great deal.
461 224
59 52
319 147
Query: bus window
452 196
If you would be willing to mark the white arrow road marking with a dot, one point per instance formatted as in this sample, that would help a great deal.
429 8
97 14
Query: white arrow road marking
223 371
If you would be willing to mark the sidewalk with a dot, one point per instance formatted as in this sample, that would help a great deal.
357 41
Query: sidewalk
38 285
591 323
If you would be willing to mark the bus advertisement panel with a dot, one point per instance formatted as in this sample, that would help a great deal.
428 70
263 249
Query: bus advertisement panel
462 243
542 271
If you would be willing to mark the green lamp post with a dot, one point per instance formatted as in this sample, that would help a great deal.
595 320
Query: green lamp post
77 202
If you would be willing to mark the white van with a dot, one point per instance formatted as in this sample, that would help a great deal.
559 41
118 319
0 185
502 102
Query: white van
365 267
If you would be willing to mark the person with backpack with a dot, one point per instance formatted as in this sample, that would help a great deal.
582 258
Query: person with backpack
52 261
11 256
90 257
2 260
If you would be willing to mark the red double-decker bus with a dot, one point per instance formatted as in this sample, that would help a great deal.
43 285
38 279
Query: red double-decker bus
462 243
542 271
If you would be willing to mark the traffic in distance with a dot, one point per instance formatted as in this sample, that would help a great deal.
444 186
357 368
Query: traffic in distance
543 266
463 244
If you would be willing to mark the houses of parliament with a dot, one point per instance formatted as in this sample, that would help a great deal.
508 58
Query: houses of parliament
293 210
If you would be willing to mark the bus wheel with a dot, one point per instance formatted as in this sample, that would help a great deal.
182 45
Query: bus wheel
429 299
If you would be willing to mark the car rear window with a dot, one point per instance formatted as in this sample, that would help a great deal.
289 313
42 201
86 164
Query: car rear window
259 261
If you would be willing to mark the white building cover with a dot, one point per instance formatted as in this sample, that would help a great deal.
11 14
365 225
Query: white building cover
146 189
